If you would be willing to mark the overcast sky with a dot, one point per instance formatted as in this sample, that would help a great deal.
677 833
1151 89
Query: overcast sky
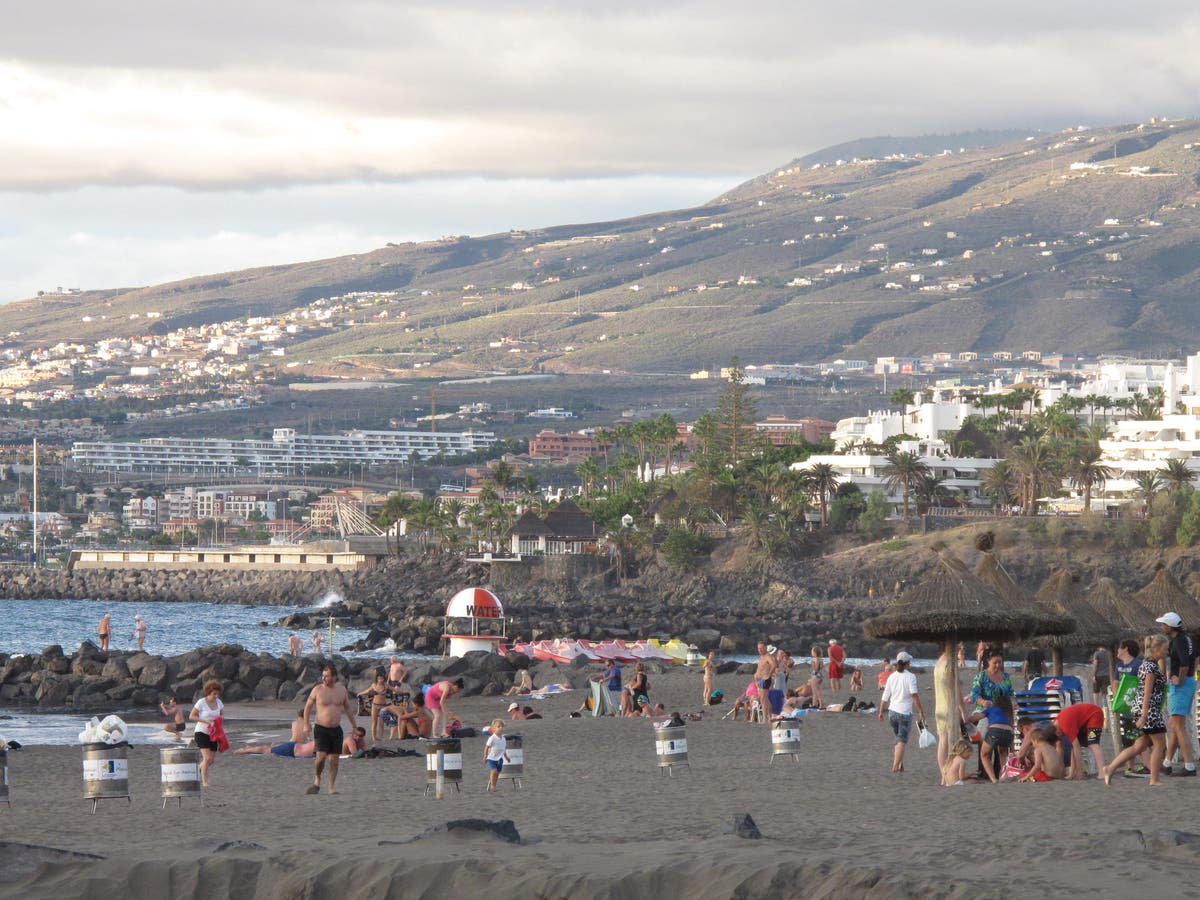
145 141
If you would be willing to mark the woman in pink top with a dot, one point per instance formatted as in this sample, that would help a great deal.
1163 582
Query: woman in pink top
435 702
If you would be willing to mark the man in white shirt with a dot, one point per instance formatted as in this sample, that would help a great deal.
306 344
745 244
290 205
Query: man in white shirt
899 700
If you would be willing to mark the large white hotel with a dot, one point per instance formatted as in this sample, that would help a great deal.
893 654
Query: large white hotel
286 453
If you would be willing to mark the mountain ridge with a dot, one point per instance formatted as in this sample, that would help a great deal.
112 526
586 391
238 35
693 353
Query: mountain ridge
1078 241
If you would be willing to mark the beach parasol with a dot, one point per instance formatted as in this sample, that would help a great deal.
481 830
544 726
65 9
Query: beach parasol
1117 608
1165 594
950 604
1062 594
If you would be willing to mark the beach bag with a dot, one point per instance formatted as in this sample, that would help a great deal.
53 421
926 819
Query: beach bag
1124 694
927 739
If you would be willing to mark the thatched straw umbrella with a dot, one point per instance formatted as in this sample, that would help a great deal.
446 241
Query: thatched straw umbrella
1116 607
1063 594
1165 594
951 604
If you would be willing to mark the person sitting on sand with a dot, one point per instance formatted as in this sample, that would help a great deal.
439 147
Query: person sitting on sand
952 771
1047 758
523 684
178 725
525 712
856 682
355 741
749 702
413 720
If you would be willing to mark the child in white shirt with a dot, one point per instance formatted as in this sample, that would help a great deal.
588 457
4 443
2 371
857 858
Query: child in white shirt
495 753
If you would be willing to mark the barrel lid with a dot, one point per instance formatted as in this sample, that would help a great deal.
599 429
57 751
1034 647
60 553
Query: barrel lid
100 745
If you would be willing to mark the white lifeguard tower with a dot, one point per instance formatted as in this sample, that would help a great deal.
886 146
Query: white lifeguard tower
474 621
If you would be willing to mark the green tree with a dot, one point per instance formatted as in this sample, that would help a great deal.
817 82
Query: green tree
904 472
999 483
1088 473
1036 471
822 480
1148 485
1176 474
589 473
736 412
903 398
1188 531
872 521
685 550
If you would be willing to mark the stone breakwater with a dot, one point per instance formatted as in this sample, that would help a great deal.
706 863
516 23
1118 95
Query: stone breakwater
93 680
403 599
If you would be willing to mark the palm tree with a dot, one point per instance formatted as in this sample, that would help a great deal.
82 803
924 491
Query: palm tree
501 475
1148 484
1087 473
903 472
1175 474
1036 471
1093 402
1146 409
999 483
903 398
930 491
589 473
822 479
604 438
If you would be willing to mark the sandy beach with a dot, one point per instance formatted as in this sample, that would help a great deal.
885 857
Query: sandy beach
596 819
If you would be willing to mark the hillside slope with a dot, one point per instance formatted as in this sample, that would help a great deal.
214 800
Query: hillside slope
1086 241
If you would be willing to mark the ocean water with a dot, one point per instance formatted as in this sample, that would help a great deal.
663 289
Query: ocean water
29 626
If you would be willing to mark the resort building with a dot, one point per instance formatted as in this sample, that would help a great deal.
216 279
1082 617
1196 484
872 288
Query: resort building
924 420
962 476
565 530
572 447
286 453
782 431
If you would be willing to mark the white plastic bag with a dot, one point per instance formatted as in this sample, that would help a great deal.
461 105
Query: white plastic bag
927 739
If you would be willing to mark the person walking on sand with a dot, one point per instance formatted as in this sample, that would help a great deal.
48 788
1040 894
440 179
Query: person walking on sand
103 630
900 694
495 753
837 664
331 701
207 714
139 632
710 670
1181 671
1148 712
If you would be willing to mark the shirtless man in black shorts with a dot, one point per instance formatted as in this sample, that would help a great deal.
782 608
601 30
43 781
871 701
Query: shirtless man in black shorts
330 700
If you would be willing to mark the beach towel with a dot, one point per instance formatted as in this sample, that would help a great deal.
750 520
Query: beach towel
216 733
602 704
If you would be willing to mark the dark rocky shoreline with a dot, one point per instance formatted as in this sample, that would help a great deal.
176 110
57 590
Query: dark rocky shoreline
93 680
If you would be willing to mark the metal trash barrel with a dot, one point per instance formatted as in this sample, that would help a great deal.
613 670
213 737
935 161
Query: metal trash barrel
4 797
106 772
670 742
451 764
785 739
180 767
514 766
694 657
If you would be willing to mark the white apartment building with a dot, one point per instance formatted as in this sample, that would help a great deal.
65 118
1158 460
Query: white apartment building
924 420
286 453
962 475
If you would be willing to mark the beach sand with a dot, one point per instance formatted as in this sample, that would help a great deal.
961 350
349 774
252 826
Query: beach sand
597 820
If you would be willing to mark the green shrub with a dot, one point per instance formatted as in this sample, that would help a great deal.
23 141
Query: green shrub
895 544
684 550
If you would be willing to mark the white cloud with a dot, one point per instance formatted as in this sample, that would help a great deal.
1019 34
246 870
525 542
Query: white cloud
274 113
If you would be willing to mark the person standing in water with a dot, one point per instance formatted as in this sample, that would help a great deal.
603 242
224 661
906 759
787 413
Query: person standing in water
139 632
103 630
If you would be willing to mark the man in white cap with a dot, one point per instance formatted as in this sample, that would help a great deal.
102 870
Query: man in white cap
764 674
1181 671
900 694
837 664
